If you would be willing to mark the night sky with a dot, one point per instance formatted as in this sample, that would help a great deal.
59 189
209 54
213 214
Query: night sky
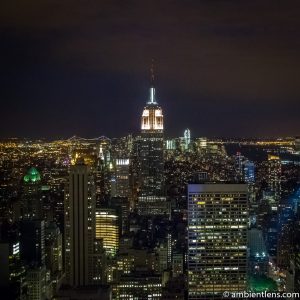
223 68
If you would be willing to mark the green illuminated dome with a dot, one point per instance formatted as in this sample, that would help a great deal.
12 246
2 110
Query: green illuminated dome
32 176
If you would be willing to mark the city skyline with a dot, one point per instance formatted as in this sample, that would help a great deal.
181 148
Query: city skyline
149 150
147 217
72 73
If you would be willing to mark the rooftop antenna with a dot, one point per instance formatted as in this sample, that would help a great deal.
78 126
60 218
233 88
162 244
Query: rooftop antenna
152 73
152 89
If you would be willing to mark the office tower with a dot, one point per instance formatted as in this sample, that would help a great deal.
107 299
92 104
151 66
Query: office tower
249 172
201 143
217 239
286 227
107 230
32 242
238 166
152 192
271 232
249 178
31 200
120 185
274 176
258 255
121 206
12 271
138 285
162 252
38 283
80 227
187 139
53 246
177 264
170 144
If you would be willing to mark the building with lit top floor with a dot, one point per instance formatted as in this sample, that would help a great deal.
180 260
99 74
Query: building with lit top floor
120 186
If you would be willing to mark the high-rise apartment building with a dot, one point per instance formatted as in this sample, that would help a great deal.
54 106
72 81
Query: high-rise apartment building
217 239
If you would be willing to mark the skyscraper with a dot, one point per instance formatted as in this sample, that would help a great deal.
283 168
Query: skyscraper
80 227
107 230
217 239
37 283
32 242
249 178
152 194
187 139
274 177
238 165
31 201
53 247
120 179
249 172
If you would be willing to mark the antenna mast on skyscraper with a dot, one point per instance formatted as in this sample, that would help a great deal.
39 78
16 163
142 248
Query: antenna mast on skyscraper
152 89
152 73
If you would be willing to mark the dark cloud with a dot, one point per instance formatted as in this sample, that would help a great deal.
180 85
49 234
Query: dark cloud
223 67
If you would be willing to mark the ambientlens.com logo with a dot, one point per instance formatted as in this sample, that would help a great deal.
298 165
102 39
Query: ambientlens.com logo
262 295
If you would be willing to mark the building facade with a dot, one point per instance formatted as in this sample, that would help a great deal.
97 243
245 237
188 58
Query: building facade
107 230
217 239
152 198
80 227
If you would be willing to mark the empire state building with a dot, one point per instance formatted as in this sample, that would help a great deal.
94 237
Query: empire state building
152 198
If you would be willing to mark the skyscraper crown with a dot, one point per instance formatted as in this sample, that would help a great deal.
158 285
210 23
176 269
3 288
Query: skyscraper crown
152 117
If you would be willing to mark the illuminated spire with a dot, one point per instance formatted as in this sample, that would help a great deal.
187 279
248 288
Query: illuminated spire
152 99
